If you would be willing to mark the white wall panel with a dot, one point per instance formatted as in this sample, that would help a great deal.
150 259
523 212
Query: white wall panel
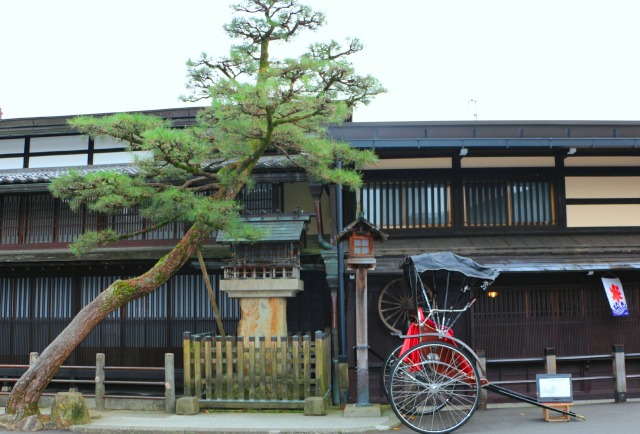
59 143
599 187
118 157
11 163
108 142
603 215
480 162
12 146
58 161
410 163
602 161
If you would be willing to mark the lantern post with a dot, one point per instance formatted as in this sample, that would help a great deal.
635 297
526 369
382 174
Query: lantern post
361 234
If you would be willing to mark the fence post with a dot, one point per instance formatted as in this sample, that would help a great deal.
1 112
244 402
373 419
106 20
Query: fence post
320 379
186 354
482 361
100 376
169 384
550 366
619 374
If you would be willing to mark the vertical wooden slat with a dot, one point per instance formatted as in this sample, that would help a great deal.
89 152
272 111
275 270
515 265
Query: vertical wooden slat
273 362
218 361
262 349
252 367
208 367
295 343
241 361
284 368
306 365
186 359
197 363
229 363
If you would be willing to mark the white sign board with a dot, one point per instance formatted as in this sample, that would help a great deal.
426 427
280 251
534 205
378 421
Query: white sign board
554 388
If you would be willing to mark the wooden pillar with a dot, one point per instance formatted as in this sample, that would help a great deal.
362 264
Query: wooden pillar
550 361
186 352
482 362
619 374
100 377
362 342
169 384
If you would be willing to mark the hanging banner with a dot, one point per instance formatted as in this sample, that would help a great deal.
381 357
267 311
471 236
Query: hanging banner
615 294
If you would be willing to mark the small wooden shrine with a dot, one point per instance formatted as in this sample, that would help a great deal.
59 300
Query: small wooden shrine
263 273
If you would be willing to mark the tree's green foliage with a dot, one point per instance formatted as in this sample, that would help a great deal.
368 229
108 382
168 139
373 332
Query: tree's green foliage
259 106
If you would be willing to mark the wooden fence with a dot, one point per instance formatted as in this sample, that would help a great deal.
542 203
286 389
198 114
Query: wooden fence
275 373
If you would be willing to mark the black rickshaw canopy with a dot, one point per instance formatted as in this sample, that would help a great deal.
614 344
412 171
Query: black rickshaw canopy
451 262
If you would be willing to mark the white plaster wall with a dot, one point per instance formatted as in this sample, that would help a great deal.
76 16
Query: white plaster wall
598 187
603 215
410 163
59 143
602 161
484 162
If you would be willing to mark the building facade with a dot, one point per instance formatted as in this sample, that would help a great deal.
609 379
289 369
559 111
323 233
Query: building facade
555 206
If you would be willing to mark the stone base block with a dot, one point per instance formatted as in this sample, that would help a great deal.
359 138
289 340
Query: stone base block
355 410
69 409
187 405
314 406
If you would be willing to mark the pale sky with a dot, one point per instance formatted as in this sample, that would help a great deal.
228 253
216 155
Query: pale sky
439 60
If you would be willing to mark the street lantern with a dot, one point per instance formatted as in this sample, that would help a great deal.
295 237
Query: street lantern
361 234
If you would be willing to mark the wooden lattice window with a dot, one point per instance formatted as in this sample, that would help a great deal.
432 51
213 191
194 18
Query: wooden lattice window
262 198
509 203
407 204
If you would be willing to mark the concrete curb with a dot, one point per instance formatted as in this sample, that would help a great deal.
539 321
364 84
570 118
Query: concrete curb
235 422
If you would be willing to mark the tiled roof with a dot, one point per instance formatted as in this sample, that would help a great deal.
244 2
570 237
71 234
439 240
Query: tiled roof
45 175
273 230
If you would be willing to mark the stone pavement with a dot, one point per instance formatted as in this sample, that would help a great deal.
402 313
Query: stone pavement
602 417
236 422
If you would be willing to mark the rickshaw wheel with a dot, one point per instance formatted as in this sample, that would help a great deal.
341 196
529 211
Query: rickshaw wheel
387 370
434 388
395 305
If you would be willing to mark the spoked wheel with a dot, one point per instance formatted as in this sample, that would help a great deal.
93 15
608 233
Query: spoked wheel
434 388
395 304
387 369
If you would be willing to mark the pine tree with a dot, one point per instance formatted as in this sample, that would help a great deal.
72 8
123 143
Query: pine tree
259 105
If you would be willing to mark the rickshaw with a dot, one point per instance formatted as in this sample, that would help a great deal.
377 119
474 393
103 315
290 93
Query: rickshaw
432 380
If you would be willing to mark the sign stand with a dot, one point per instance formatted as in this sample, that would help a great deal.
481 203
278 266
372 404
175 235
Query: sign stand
554 390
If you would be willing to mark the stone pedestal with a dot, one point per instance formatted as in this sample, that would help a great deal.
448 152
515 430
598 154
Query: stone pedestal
263 304
263 317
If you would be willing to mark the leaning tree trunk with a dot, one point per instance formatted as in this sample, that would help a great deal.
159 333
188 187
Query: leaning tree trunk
24 397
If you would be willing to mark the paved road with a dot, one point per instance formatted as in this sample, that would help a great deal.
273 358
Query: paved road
600 419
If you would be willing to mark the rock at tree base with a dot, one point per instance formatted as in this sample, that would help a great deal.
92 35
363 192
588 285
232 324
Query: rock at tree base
31 423
69 409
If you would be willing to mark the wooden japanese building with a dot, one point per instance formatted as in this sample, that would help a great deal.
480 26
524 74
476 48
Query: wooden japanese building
555 206
42 285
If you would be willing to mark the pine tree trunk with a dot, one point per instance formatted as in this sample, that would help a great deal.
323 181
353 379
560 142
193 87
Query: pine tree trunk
24 397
